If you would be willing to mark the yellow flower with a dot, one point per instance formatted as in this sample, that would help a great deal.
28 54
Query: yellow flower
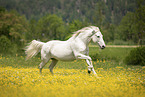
119 67
24 82
103 60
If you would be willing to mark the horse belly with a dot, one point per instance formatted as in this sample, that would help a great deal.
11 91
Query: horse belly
62 53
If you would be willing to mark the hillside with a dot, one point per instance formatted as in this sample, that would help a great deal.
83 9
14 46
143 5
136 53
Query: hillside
94 11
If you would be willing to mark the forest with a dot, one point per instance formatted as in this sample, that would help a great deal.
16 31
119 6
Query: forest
122 22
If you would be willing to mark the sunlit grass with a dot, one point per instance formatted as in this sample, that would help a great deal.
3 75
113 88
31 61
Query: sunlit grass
20 78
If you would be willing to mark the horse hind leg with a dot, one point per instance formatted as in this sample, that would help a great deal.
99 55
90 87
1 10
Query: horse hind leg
53 63
45 57
42 64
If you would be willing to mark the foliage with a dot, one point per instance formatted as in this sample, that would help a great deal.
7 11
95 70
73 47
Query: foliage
136 57
76 25
132 25
109 33
50 27
13 26
140 20
127 28
7 47
99 12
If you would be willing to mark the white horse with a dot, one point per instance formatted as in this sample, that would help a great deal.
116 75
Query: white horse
74 48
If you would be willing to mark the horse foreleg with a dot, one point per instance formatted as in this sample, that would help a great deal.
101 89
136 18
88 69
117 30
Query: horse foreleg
90 67
53 63
89 62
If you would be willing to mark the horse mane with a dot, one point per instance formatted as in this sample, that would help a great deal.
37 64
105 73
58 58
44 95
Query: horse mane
76 33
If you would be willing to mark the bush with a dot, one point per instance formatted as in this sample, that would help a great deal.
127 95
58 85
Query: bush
7 47
136 57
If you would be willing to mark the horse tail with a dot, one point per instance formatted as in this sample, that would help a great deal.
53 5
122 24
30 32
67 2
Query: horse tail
33 49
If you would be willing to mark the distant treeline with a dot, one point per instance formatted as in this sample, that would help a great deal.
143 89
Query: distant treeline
100 12
120 21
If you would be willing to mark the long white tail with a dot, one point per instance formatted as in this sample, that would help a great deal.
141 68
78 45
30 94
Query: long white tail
33 49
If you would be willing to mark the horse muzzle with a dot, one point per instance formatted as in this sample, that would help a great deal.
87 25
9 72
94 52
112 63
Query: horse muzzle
102 47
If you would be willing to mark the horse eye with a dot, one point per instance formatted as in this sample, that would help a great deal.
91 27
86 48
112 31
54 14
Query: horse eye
98 36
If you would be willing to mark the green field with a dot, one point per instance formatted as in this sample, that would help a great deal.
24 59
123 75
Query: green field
20 78
110 53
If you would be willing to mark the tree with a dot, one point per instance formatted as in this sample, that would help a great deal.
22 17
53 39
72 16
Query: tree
69 10
13 26
109 33
75 25
51 27
7 47
127 28
140 19
33 30
132 25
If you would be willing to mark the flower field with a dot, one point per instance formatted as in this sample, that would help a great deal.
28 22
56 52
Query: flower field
20 78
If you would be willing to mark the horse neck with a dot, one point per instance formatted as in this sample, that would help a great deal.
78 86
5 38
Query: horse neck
71 38
85 39
82 36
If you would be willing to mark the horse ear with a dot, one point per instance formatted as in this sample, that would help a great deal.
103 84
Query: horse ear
93 32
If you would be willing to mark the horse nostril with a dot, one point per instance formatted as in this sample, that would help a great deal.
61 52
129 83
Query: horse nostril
103 46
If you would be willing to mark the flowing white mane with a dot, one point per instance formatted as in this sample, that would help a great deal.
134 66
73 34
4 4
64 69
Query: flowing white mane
76 33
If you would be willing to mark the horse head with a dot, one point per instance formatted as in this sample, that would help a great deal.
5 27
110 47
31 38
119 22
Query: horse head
98 37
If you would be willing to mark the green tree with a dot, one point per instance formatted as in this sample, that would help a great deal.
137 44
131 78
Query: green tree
51 27
33 30
75 25
127 28
13 26
140 19
109 33
132 25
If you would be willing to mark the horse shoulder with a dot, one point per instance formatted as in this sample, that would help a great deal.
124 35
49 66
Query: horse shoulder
78 46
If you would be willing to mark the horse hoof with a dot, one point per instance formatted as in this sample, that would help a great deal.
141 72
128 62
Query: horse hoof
89 71
40 70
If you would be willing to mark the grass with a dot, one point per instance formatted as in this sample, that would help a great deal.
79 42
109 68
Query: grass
20 78
110 53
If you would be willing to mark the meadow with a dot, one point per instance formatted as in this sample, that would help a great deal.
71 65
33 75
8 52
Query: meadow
20 78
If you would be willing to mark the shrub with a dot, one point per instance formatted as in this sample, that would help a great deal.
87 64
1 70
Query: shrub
7 47
136 56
